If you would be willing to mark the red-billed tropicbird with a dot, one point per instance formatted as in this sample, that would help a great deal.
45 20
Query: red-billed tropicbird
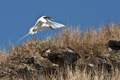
43 23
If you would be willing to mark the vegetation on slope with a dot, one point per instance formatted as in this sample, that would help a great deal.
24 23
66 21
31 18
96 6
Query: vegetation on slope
43 60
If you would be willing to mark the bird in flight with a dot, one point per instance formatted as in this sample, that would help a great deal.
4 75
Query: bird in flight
43 23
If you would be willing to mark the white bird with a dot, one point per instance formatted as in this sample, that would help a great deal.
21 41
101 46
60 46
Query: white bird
43 23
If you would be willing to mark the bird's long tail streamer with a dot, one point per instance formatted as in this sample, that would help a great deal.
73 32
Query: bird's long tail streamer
23 37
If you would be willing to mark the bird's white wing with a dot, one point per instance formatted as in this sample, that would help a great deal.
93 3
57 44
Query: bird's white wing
55 25
41 28
38 23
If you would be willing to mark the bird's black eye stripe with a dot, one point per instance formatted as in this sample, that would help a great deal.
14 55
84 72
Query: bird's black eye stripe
48 18
45 17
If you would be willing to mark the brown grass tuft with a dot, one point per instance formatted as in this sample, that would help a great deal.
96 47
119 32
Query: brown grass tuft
86 42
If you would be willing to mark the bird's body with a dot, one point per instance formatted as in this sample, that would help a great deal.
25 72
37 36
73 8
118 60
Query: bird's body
43 23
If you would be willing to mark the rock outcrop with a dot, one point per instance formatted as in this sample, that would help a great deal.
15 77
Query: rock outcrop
23 66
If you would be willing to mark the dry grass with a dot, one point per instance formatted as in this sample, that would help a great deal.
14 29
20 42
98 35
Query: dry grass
3 56
89 42
69 74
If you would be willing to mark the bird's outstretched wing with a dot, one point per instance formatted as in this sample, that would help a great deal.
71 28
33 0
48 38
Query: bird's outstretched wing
38 23
55 25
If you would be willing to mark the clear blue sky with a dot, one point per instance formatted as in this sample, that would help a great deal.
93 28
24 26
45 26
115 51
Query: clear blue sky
18 16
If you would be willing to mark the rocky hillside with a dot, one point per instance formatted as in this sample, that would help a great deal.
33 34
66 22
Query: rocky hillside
71 55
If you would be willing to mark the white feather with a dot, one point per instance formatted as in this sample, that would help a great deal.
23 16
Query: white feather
30 32
55 25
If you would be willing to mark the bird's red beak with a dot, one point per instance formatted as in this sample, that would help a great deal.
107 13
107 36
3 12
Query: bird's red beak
51 28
